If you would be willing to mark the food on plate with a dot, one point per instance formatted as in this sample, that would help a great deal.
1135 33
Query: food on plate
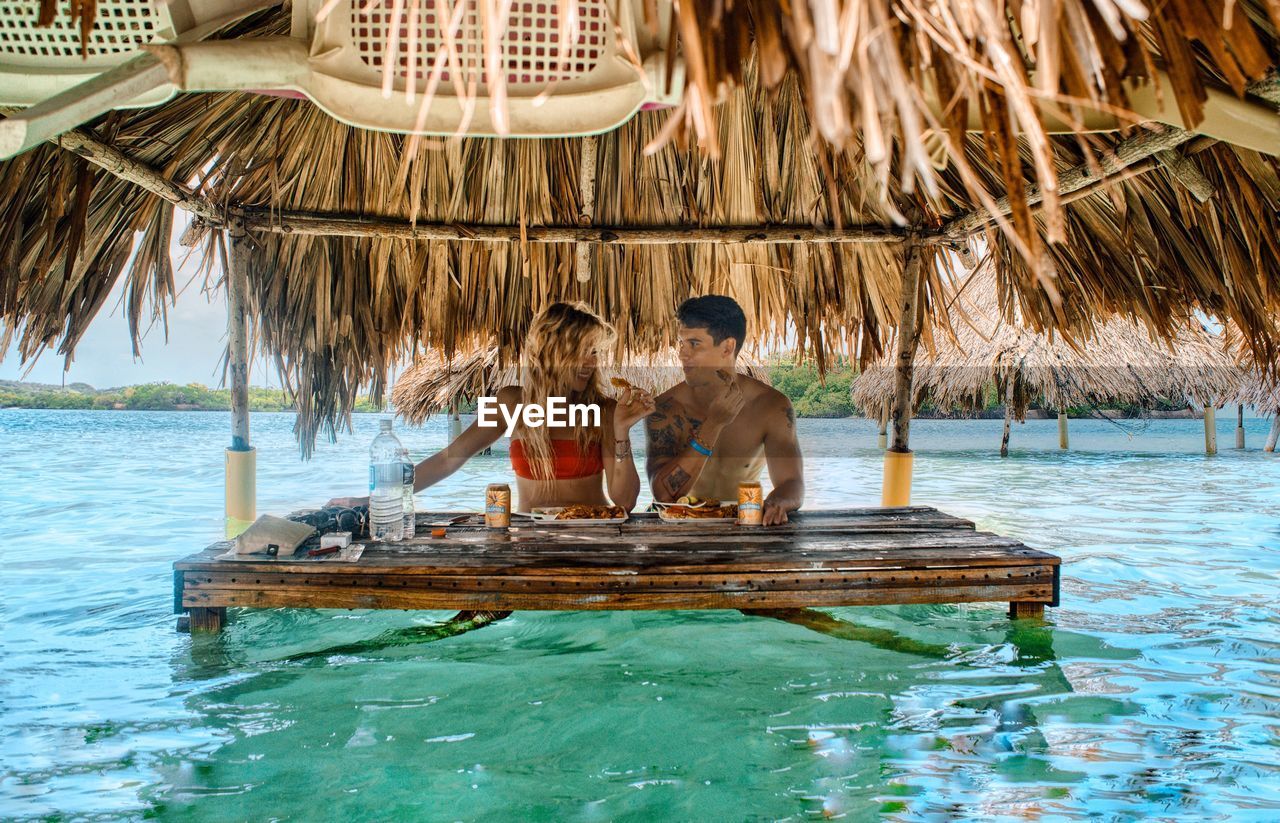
701 510
582 511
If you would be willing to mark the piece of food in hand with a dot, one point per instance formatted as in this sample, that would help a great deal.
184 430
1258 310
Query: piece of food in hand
620 383
582 511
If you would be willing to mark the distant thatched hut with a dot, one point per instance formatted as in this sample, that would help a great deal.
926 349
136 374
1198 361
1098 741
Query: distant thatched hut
1263 393
1122 362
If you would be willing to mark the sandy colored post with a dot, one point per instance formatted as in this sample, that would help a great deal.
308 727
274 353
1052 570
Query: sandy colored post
1064 440
896 488
1210 430
1240 426
455 424
1274 435
241 460
241 469
882 442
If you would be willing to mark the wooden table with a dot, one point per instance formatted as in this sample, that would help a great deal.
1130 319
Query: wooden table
847 557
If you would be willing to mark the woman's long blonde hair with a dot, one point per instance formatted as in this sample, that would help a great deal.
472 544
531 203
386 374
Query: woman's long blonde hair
557 341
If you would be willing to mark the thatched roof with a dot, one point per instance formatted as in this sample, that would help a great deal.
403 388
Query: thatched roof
794 147
1122 362
436 384
1261 392
1260 386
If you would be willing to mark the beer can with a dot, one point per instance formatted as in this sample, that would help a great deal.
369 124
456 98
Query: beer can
750 504
497 506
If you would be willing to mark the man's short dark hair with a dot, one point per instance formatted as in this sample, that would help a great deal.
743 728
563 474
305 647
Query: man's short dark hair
721 316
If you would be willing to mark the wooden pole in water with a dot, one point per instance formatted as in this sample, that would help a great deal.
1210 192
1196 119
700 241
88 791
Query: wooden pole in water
1210 430
1274 436
896 486
241 459
1008 417
1064 441
883 440
455 423
1240 426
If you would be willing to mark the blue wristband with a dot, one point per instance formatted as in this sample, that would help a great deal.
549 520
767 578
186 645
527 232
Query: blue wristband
699 448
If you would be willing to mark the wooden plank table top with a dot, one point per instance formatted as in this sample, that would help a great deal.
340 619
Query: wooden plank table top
821 558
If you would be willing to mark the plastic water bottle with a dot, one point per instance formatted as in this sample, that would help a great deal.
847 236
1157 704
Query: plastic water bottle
386 486
410 526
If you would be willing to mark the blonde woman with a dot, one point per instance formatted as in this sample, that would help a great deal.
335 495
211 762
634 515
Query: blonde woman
559 466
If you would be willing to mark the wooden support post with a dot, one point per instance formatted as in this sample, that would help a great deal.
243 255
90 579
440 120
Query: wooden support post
883 440
587 212
241 459
896 486
1210 430
1274 435
1240 426
1019 610
1008 417
1064 441
207 619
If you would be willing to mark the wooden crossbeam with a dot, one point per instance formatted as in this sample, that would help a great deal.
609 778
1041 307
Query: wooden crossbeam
115 162
276 222
1126 154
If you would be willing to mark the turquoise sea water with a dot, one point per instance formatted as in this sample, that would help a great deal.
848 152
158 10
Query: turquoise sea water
1152 694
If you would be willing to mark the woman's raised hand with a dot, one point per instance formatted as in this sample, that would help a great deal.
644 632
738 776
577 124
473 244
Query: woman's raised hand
633 404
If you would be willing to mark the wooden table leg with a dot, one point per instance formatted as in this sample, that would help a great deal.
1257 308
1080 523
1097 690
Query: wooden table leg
1021 608
207 619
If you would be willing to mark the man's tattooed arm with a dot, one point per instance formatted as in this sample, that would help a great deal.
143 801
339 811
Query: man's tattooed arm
671 464
667 434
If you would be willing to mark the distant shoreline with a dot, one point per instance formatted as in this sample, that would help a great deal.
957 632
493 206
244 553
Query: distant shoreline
812 401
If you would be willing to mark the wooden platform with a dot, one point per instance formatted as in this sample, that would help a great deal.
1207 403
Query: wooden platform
848 557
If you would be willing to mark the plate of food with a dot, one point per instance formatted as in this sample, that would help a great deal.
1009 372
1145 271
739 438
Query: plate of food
578 514
694 508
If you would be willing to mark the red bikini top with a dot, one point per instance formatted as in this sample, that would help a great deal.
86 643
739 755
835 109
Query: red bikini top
569 463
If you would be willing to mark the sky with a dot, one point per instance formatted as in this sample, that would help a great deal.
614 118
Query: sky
104 359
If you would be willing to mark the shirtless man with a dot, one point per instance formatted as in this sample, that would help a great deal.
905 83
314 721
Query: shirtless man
701 442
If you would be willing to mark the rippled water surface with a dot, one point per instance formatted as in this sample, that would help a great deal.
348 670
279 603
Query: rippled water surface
1152 693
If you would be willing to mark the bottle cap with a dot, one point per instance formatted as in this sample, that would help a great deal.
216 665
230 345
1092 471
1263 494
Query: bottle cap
385 423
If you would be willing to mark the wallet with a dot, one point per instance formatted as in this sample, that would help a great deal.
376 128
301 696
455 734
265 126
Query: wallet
273 535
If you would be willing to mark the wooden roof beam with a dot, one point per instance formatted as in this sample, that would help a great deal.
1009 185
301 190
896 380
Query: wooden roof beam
1186 173
276 222
85 144
115 162
1112 165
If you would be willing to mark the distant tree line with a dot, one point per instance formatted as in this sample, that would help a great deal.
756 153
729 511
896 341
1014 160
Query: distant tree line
812 395
146 397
